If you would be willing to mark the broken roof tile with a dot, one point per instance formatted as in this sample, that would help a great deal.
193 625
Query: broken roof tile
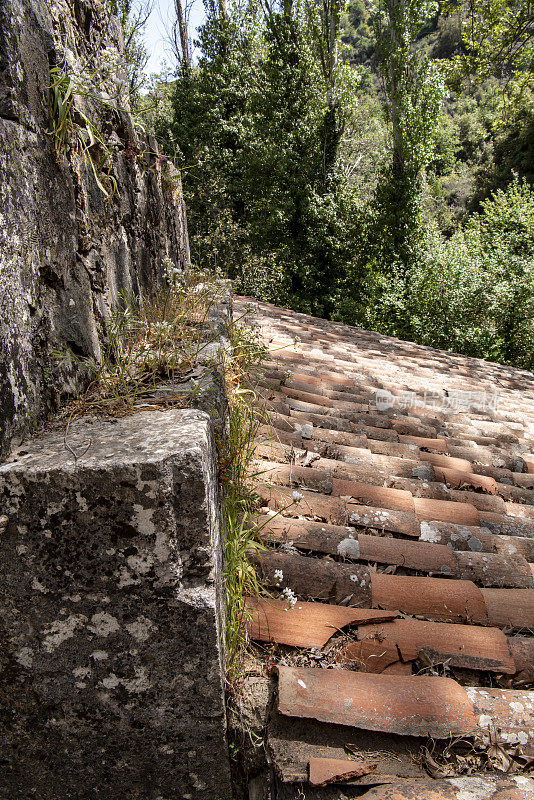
457 479
467 646
324 771
434 445
305 624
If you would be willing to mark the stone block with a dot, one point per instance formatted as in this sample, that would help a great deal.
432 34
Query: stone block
111 609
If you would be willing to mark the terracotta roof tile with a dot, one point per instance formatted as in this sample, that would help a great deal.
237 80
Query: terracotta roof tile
379 496
510 608
405 481
436 599
414 706
462 537
445 511
507 713
457 479
434 445
324 771
509 526
306 624
316 579
516 787
439 460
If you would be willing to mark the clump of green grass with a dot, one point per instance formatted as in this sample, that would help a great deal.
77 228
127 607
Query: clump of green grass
239 499
152 343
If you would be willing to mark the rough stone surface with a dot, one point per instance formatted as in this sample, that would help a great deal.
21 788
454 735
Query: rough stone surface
111 611
66 252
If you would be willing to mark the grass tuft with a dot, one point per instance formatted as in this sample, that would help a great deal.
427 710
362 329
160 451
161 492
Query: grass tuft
240 500
154 348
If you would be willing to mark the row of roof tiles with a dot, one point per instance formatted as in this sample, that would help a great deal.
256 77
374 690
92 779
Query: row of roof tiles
397 488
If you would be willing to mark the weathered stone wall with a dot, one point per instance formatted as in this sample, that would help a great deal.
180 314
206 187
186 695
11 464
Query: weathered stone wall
66 252
111 612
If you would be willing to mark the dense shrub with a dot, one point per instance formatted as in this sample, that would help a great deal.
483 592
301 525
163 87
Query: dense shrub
472 293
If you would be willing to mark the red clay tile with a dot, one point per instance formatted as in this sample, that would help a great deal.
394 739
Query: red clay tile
495 570
483 787
444 511
482 502
304 503
369 495
294 475
510 608
520 510
412 426
384 519
439 460
434 445
507 526
410 706
457 479
522 652
438 599
324 771
323 379
316 579
370 655
466 646
395 449
505 713
473 539
304 625
412 555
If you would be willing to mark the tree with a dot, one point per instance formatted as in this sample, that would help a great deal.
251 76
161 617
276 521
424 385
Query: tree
258 121
180 38
413 92
133 18
498 39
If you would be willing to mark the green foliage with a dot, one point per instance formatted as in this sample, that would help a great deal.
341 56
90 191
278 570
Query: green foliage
413 91
258 123
357 33
152 342
472 293
72 128
326 168
239 499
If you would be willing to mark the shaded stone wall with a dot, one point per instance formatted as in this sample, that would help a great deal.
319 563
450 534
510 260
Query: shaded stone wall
66 252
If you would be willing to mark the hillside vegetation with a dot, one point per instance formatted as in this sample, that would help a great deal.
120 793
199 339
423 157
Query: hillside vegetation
371 163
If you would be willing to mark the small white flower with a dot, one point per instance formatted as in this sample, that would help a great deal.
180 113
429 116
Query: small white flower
290 596
161 327
297 497
278 576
